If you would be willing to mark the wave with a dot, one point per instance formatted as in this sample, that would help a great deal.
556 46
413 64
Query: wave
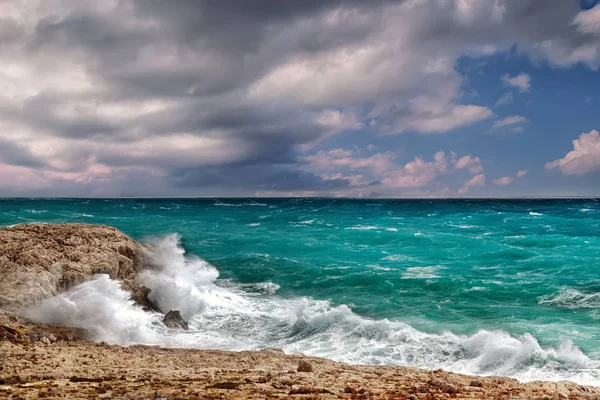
422 272
227 315
572 299
362 228
249 203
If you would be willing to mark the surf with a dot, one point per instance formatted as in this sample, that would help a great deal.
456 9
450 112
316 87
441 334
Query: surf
229 315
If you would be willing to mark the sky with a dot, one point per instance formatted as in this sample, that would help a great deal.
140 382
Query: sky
405 98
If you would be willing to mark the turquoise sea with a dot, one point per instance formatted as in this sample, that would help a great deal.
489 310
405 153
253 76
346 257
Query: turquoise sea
501 287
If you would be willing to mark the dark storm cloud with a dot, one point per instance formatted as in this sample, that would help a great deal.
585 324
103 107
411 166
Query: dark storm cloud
16 154
253 177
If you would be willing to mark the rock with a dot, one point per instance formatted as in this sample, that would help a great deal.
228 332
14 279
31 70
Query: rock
563 396
173 319
476 383
436 382
300 390
304 366
47 259
141 298
448 388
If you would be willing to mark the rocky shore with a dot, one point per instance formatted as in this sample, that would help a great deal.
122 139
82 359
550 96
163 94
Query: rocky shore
41 361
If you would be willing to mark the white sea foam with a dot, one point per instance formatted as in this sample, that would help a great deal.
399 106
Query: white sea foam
362 227
534 213
251 203
226 315
429 272
36 211
397 257
222 204
571 298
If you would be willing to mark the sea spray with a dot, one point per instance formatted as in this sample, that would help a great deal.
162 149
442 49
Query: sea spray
230 316
102 308
181 283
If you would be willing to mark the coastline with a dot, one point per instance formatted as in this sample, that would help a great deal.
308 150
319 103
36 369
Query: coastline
55 362
43 361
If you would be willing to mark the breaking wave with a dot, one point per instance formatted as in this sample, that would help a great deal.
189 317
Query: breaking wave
226 315
572 299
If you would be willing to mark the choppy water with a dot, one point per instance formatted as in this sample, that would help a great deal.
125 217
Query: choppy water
503 287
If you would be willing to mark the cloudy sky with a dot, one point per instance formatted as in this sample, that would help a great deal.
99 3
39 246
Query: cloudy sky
410 98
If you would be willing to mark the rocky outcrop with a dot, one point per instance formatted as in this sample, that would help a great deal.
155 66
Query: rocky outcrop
41 260
173 319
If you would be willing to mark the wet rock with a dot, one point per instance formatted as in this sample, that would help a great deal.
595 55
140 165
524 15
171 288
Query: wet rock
141 297
174 320
304 366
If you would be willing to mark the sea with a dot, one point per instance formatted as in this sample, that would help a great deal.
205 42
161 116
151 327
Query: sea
484 287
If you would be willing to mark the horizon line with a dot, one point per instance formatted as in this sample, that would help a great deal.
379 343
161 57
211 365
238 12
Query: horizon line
295 197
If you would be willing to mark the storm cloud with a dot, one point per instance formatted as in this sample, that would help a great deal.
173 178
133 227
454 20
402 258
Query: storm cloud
152 97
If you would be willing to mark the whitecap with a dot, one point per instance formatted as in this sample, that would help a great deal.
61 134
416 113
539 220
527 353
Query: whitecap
362 227
572 299
429 272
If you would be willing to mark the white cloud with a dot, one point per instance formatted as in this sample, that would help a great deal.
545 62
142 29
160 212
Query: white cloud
384 170
506 98
391 69
512 120
588 21
583 159
440 121
335 121
477 180
505 180
521 81
518 129
470 162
